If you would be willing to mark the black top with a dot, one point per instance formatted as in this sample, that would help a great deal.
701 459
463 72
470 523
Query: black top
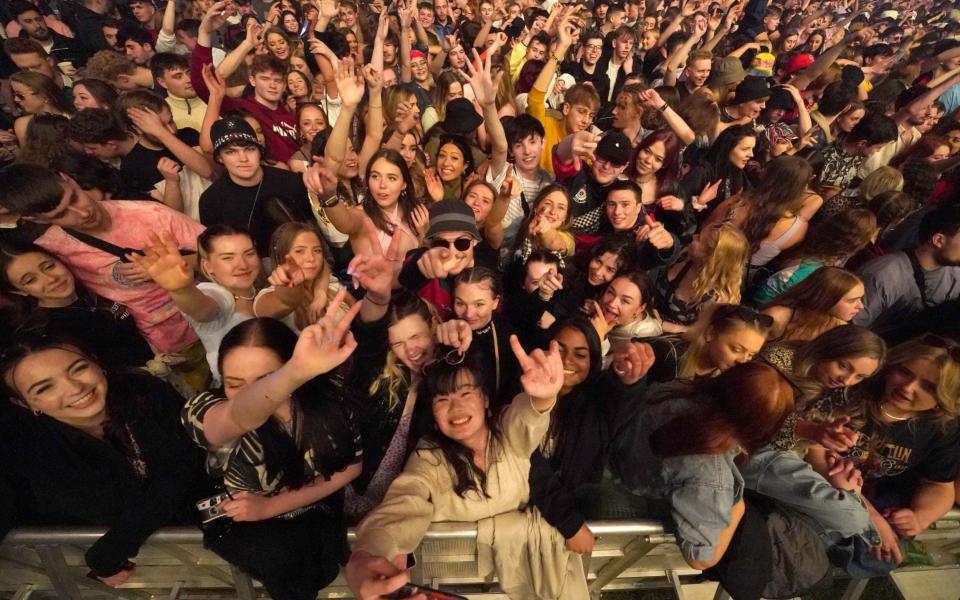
281 197
138 169
668 351
145 474
507 385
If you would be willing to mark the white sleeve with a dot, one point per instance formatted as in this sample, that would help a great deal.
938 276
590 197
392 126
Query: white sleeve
226 305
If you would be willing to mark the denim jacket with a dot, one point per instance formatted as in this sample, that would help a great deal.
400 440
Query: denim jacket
701 489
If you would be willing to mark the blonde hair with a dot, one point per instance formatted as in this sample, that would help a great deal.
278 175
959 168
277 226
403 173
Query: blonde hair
395 375
722 273
948 381
882 179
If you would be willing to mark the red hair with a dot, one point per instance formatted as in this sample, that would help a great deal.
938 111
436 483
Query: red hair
667 175
743 406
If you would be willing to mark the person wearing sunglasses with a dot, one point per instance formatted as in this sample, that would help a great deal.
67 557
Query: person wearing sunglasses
451 237
907 445
473 466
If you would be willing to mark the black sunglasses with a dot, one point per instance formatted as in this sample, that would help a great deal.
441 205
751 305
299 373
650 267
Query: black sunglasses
747 315
460 244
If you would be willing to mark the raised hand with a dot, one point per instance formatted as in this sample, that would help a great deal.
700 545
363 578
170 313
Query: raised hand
709 192
255 34
593 311
651 98
373 76
483 83
456 334
550 284
510 187
542 372
147 121
162 262
320 180
654 233
434 185
327 8
421 220
670 203
169 169
407 117
325 345
632 362
215 84
375 270
216 16
288 275
584 144
349 83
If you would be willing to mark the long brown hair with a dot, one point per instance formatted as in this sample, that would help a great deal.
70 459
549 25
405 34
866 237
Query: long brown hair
780 191
837 238
811 301
743 406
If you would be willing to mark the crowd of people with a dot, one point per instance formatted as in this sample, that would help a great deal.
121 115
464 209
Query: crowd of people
283 268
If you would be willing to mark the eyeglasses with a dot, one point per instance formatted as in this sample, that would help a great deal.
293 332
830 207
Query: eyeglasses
593 46
745 314
460 244
952 347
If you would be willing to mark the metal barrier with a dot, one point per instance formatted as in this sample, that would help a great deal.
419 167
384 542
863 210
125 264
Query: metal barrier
627 554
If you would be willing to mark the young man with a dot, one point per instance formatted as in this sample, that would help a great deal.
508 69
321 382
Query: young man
145 13
28 55
443 24
624 214
93 238
585 70
59 47
695 73
621 63
137 44
248 194
533 46
836 97
580 106
837 164
119 71
892 282
172 73
268 77
88 26
525 137
588 186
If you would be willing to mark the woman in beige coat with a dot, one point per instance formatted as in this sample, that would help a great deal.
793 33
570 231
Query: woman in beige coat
473 467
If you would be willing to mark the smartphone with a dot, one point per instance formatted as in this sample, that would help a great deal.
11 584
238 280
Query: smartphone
410 590
305 27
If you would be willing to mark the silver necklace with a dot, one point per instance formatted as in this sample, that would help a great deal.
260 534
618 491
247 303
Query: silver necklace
892 417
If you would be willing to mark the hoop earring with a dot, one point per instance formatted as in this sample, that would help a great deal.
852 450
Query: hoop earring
36 412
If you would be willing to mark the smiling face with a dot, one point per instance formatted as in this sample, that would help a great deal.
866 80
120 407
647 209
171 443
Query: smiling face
450 163
63 384
848 306
553 208
623 209
461 414
592 50
649 39
622 302
602 269
480 199
475 303
42 277
698 71
911 387
311 122
733 347
269 86
576 357
232 262
743 152
411 340
844 372
535 272
297 85
277 45
454 91
290 24
307 251
527 152
385 183
245 365
419 70
650 159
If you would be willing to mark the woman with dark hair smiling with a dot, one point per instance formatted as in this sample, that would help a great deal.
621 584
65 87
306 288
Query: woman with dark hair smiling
720 175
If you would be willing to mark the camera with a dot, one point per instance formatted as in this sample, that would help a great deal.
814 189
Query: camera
209 508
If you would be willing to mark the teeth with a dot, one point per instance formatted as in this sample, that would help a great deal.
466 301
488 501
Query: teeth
460 421
82 401
568 371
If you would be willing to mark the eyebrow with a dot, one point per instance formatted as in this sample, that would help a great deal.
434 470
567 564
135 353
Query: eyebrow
48 379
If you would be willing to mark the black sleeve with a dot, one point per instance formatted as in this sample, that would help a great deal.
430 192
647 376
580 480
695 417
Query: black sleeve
209 209
693 183
411 279
557 505
175 480
645 256
368 361
941 460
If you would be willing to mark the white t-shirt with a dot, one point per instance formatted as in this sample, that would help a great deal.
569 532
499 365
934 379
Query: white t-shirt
211 332
531 187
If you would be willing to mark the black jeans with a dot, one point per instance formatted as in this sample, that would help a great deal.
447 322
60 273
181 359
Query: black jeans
293 558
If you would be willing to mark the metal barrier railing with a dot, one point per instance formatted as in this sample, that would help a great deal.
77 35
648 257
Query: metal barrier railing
173 559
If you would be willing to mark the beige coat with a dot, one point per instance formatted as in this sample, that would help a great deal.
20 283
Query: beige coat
527 554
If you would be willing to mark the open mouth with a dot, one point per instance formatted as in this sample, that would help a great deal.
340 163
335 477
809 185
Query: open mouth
460 422
83 401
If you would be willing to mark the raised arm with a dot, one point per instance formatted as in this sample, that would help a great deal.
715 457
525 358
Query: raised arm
350 85
542 374
375 271
406 17
217 88
485 89
232 61
542 84
162 261
679 56
320 348
652 99
328 63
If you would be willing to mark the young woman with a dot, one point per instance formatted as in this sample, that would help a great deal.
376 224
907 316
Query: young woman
848 119
44 139
905 440
830 243
93 93
775 214
285 448
311 120
547 227
479 329
35 93
591 407
454 162
472 466
587 275
299 89
723 336
229 261
720 174
624 311
682 445
828 298
85 447
488 206
449 87
301 285
712 271
278 44
655 165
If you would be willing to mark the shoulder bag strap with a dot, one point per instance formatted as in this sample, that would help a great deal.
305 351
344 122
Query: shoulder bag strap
918 277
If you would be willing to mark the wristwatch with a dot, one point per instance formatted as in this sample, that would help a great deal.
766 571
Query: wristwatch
331 201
